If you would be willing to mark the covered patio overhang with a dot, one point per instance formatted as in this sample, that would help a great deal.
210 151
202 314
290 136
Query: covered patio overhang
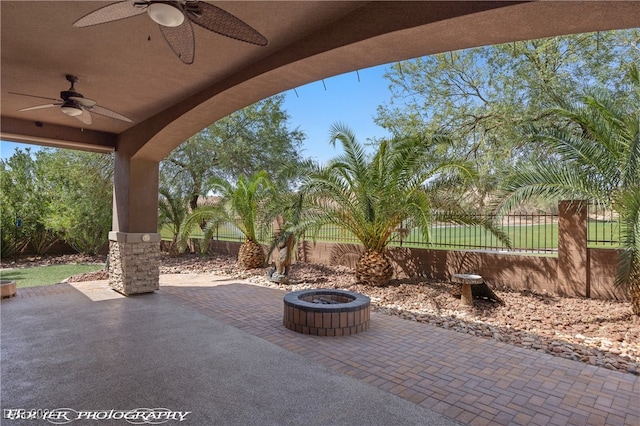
127 66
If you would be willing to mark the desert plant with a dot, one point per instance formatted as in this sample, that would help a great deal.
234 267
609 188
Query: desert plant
173 210
242 204
372 196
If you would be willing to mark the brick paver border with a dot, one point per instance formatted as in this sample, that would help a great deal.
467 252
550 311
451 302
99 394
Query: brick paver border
474 380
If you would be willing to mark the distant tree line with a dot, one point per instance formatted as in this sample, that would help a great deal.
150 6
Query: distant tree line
55 195
487 98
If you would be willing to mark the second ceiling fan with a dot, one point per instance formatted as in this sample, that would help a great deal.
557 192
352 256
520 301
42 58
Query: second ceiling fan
174 19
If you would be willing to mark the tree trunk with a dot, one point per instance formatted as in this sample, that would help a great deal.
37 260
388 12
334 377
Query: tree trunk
251 255
635 302
373 268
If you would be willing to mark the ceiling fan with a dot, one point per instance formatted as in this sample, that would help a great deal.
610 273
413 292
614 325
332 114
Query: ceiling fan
174 19
75 105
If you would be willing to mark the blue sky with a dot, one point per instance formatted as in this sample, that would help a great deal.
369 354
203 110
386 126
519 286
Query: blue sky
345 100
314 110
7 148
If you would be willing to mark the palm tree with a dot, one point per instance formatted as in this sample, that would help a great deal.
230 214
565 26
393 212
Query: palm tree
597 158
372 196
173 210
242 205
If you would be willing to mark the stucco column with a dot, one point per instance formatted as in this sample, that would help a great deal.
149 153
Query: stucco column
572 248
134 242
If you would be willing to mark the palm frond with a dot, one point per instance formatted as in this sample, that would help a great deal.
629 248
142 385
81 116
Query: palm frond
554 182
597 142
628 206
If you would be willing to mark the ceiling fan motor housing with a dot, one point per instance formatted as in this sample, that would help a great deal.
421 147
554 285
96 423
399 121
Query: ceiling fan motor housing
71 108
166 14
66 94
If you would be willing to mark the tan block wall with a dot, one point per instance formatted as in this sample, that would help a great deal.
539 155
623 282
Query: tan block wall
500 270
541 274
572 249
603 264
231 248
225 247
506 271
518 272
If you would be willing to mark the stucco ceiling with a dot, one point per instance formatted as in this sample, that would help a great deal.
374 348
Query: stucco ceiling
127 67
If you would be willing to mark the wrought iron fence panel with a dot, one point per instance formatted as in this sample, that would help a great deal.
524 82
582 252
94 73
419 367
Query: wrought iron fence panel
532 233
603 227
228 232
529 233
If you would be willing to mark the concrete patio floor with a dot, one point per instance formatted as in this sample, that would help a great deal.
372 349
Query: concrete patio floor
217 349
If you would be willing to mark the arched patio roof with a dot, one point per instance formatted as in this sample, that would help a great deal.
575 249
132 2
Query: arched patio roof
126 65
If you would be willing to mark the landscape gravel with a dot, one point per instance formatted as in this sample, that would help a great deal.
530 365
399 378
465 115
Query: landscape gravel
597 332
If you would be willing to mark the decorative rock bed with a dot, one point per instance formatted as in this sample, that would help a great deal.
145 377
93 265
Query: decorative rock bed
326 312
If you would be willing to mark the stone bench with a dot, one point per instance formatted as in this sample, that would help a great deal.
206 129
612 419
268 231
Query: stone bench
467 280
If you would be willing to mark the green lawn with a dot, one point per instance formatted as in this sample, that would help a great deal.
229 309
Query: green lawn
46 275
453 236
525 237
521 237
226 232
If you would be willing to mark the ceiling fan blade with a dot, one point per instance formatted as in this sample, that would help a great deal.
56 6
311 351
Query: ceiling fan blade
34 96
83 101
181 40
112 12
39 107
108 113
85 117
219 21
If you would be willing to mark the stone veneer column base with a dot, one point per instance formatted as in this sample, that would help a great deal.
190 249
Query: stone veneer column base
134 262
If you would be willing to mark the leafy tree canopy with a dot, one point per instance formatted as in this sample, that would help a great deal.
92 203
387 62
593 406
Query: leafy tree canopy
56 194
484 97
81 188
25 202
250 140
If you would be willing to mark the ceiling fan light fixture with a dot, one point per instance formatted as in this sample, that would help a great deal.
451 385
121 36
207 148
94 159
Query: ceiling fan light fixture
71 110
165 14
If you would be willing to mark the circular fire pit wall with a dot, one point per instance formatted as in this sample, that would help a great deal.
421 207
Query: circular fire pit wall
326 312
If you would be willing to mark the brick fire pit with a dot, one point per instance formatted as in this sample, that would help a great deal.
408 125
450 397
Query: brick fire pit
325 312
